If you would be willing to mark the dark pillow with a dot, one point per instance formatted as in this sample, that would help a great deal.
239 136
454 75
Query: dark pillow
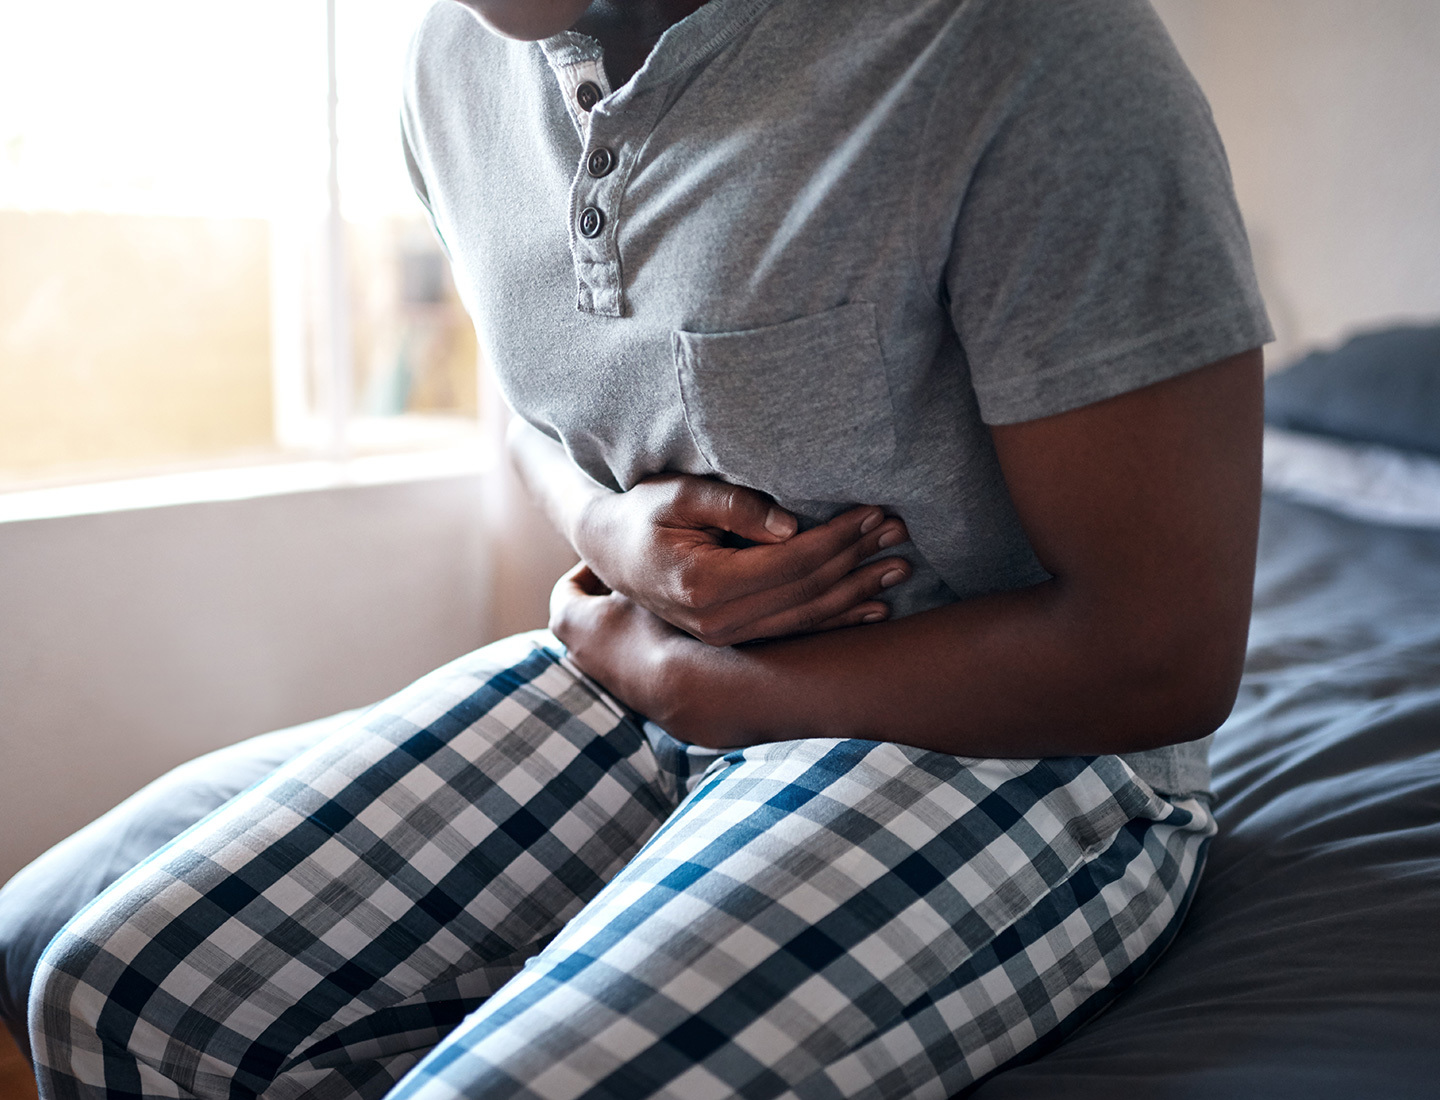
1379 387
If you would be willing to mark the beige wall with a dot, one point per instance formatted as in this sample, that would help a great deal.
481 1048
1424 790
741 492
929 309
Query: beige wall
1330 110
133 641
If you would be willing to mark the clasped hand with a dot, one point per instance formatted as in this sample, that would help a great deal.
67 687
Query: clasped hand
662 558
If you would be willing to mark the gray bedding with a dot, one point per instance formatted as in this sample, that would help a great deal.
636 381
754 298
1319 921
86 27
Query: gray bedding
1310 963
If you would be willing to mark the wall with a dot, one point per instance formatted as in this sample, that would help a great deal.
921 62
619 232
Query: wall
1330 111
132 641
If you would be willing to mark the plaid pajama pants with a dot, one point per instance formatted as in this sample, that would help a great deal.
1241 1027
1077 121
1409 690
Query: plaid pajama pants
498 884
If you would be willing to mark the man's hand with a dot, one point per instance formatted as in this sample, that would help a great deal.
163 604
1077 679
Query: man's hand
664 545
638 657
667 545
612 639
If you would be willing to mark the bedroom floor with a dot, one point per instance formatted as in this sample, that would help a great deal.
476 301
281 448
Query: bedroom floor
16 1080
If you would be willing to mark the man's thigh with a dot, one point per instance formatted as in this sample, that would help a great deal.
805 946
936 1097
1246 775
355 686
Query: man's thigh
840 918
407 866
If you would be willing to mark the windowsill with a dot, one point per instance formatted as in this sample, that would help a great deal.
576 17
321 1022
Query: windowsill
245 482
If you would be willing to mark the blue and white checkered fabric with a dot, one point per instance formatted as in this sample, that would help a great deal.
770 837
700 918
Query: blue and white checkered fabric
498 884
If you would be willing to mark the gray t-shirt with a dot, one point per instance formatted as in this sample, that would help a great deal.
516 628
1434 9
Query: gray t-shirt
816 246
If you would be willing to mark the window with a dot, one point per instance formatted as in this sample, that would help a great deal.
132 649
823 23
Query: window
181 282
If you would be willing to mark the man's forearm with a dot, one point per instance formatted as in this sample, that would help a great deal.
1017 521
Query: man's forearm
1017 674
1143 507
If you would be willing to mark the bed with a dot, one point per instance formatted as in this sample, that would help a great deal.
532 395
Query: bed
1309 965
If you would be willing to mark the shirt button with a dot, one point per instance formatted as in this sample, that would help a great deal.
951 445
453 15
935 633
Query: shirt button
601 162
587 95
591 222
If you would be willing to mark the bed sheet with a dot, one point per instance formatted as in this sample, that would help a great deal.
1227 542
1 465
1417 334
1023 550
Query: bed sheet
1309 965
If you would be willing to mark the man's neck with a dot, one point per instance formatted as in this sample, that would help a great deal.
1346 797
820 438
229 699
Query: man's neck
627 30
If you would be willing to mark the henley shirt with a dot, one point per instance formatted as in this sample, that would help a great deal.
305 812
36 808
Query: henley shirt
815 247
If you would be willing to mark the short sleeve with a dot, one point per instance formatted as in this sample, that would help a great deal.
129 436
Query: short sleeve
1098 246
412 166
410 128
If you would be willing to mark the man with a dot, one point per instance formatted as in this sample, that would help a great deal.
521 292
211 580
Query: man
893 368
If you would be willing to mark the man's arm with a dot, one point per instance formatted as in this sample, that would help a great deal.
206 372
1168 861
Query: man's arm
1144 508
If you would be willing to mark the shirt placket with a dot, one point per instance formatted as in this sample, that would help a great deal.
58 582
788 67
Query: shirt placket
614 128
607 153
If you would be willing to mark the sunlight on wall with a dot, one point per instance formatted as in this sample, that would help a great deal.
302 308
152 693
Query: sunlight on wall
175 107
125 337
162 180
159 106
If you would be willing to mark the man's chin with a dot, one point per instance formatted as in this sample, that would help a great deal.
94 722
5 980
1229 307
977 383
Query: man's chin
527 20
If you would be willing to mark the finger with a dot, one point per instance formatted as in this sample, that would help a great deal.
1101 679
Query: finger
580 580
734 574
575 577
585 580
571 586
846 602
706 503
775 577
846 540
864 614
565 591
725 588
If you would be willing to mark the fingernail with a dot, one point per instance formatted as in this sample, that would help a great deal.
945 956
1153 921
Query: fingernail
873 617
780 524
892 578
891 538
870 522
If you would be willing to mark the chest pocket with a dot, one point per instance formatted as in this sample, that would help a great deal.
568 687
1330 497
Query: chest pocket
799 410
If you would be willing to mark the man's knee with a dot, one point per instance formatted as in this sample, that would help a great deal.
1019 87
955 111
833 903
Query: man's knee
105 1016
66 1010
